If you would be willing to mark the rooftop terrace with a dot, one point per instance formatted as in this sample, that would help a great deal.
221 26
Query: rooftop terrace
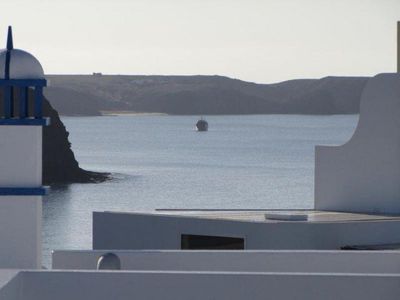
256 215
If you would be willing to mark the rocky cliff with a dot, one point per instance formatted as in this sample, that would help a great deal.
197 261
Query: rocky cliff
59 163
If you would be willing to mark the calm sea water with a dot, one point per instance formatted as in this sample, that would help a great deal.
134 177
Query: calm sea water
161 162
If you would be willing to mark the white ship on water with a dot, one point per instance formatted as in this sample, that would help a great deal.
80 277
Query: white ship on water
202 125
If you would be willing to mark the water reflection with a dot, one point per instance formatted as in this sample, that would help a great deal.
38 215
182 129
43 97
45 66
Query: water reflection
56 220
159 162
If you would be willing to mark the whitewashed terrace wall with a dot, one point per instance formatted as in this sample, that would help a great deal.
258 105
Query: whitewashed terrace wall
363 175
133 231
94 285
237 261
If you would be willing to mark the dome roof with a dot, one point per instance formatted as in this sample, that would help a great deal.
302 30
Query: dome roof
23 65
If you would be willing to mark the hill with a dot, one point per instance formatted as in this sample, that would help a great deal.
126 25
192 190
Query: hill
202 95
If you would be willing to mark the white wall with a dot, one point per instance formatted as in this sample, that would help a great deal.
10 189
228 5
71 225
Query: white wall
43 285
237 261
363 175
20 232
157 231
10 284
21 156
20 216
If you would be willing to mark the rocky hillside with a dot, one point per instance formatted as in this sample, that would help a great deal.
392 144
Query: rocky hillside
59 163
202 95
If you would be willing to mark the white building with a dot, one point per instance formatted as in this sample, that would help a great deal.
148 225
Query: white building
292 254
21 159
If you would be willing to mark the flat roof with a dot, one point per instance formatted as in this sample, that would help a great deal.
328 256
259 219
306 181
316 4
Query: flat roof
255 215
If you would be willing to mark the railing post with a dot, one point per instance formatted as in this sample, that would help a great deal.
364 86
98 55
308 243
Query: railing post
38 102
8 101
23 102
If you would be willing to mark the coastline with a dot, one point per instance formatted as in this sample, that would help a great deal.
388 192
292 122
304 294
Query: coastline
129 113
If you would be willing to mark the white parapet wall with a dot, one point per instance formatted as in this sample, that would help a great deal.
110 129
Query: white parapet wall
173 285
20 232
10 284
302 261
162 231
363 175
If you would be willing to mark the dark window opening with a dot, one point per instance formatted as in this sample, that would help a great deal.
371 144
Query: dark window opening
208 242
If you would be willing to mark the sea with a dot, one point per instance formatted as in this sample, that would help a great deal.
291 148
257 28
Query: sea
160 161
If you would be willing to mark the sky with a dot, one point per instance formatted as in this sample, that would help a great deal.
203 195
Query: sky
261 41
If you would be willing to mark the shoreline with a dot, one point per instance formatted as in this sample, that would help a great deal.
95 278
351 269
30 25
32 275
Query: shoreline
129 113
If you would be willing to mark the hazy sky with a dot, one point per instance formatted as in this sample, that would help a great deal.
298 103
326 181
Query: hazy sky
254 40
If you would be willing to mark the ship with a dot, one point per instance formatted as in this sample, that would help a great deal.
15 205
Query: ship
202 125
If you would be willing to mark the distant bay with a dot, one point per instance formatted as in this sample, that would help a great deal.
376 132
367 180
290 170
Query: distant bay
258 161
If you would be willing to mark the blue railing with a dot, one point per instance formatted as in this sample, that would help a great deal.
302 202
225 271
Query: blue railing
21 86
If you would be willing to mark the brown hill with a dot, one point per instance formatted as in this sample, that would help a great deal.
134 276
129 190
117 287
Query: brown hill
202 95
